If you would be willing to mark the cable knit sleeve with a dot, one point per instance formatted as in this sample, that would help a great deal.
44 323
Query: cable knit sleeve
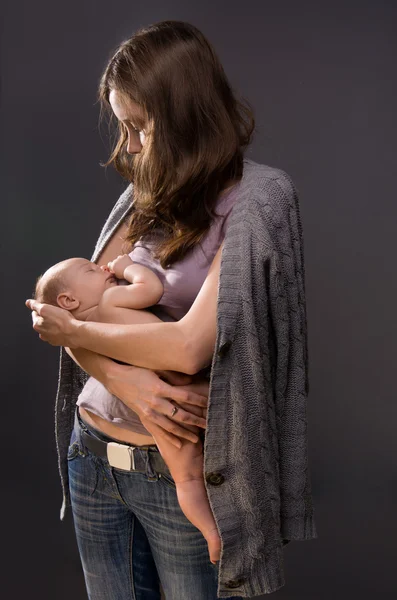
290 371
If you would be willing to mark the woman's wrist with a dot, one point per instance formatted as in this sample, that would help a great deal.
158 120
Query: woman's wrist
75 334
96 365
112 375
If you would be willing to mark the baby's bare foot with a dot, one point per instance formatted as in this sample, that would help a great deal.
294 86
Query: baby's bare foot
214 545
193 501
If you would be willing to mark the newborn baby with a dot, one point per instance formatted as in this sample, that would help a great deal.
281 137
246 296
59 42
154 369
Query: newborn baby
93 293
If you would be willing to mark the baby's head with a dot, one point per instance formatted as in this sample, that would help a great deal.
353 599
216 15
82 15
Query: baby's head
75 284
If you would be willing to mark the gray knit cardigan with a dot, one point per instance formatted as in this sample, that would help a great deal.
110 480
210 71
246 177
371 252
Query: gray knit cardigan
256 465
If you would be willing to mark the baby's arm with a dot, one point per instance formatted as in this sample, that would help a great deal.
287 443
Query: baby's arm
145 287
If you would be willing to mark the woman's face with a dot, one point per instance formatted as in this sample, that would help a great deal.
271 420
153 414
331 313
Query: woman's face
129 113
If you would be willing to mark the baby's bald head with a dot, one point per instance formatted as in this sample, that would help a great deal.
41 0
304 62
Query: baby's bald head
75 284
56 280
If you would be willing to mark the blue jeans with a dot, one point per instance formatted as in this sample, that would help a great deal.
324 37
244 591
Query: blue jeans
131 532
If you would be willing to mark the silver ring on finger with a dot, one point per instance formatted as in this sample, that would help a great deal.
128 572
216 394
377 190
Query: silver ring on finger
174 411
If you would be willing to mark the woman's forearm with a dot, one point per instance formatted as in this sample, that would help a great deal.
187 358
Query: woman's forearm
94 364
166 346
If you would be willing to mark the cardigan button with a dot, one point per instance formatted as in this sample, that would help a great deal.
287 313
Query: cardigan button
224 348
214 478
234 583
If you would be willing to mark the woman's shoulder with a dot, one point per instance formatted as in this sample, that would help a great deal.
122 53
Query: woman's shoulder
268 189
266 209
261 178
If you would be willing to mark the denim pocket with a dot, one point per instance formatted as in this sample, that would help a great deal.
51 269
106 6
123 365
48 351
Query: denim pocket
167 480
82 470
73 451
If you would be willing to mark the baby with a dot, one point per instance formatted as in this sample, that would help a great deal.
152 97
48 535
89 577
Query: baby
93 293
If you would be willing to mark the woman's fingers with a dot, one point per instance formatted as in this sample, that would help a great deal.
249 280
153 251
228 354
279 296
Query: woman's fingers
160 434
170 438
54 324
180 394
185 417
201 386
161 407
172 427
192 408
34 306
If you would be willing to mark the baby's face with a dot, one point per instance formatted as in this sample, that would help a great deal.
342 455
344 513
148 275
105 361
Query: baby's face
88 281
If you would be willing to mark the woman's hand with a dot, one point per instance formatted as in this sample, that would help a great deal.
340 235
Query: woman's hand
54 325
154 399
192 383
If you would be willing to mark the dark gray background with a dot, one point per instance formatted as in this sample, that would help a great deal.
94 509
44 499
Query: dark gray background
322 79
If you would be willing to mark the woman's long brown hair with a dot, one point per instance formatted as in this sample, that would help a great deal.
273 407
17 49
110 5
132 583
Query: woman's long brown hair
196 132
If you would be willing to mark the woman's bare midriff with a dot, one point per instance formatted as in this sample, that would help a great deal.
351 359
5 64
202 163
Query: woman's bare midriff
115 247
119 433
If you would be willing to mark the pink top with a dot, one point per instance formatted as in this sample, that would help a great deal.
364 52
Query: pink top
182 282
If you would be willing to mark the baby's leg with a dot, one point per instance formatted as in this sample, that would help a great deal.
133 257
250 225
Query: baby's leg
186 467
185 463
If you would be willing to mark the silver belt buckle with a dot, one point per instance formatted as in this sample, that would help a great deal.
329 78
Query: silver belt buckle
121 456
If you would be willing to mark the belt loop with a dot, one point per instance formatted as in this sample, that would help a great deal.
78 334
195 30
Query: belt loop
78 427
150 472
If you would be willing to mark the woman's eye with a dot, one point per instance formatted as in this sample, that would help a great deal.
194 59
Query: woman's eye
137 130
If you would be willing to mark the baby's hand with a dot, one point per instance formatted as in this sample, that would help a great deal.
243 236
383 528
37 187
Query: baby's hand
119 264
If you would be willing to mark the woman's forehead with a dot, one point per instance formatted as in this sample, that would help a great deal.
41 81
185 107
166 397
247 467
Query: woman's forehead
124 108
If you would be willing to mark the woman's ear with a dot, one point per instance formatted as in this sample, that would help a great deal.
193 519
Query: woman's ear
67 301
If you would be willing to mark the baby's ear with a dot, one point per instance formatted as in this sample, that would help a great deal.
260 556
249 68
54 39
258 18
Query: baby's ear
67 301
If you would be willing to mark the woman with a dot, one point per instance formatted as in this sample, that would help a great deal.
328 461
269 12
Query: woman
181 141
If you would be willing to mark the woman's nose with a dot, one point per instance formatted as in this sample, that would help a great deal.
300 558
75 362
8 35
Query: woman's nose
134 145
